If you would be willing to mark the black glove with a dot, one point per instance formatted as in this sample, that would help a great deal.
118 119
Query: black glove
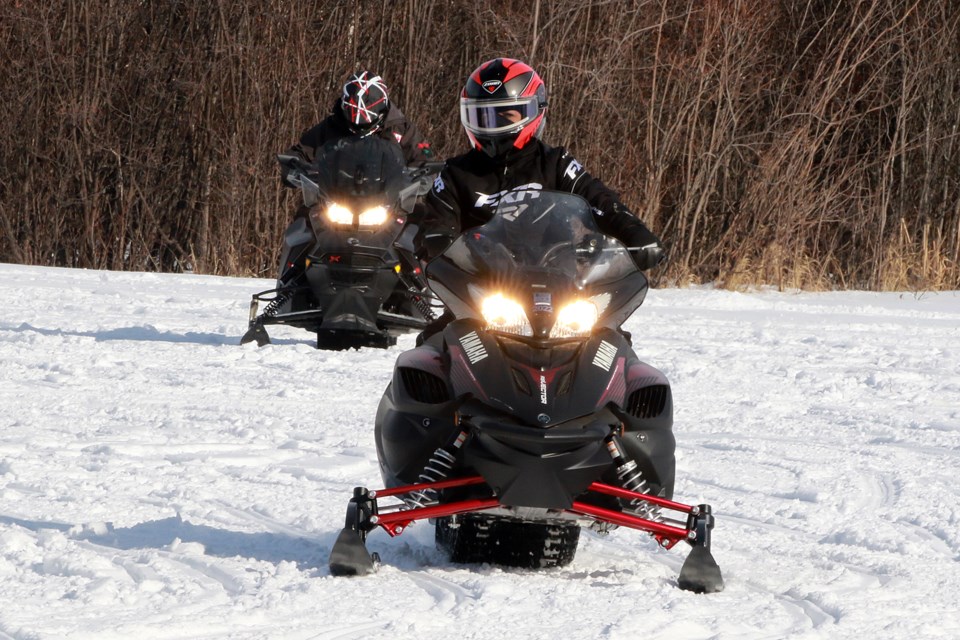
292 164
285 175
649 257
432 245
645 247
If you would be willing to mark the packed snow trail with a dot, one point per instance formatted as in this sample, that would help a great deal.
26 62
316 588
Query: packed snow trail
159 481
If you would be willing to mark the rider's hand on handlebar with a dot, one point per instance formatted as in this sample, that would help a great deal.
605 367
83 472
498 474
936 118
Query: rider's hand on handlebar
290 178
649 256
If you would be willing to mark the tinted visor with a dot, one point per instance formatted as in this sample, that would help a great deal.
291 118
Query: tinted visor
486 118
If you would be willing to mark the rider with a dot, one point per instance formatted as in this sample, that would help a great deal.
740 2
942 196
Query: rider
502 109
364 109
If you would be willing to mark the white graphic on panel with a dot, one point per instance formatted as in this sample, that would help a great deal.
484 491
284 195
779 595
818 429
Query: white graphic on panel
473 347
606 352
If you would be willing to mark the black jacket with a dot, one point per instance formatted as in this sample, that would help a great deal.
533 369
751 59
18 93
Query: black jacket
467 191
396 128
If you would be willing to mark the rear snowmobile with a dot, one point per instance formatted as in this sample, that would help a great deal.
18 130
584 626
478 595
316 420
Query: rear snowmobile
347 271
529 416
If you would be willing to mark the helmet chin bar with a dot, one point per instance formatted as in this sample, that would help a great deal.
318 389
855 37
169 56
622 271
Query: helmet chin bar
365 129
501 145
495 147
368 130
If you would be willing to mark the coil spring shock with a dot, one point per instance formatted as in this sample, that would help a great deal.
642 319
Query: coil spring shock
423 307
438 467
282 297
415 289
631 478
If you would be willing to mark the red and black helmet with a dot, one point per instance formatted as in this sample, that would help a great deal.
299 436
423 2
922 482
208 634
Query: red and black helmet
503 105
364 102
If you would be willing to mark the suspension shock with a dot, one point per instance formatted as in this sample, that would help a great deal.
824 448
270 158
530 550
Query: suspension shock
415 289
423 307
631 478
282 296
438 467
287 287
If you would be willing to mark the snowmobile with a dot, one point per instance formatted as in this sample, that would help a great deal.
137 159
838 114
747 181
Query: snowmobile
529 415
347 271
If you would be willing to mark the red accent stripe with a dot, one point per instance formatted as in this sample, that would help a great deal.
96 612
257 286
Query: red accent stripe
618 492
476 74
385 520
627 520
515 68
527 133
443 484
394 522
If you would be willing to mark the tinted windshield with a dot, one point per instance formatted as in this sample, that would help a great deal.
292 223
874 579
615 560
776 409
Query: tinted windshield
542 231
360 167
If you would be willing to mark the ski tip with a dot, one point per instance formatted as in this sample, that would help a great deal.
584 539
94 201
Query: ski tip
349 556
700 572
258 333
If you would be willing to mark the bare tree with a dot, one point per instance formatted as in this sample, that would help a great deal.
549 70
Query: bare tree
802 144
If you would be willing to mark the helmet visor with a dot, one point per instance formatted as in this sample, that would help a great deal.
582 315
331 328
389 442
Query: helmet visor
490 119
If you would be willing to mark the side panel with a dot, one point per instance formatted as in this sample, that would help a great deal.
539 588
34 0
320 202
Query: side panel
297 239
648 426
416 415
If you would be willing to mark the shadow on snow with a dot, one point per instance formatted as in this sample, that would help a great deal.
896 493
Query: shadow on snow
160 534
145 333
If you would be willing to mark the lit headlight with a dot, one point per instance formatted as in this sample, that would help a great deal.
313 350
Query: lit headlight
339 214
504 314
373 217
575 320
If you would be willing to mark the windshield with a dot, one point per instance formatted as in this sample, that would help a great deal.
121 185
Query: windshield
366 169
540 269
357 172
542 232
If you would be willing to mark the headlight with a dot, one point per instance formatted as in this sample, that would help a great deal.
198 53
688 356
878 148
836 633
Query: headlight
339 214
373 217
504 314
575 320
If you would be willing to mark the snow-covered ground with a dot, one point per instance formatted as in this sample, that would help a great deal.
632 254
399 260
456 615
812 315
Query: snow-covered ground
159 481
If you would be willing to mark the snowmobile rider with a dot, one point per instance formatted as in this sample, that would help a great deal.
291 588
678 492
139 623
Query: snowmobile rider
364 109
502 108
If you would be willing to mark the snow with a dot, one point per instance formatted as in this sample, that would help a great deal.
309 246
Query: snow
157 480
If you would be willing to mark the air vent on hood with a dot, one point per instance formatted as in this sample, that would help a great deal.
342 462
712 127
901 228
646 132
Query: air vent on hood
424 387
648 402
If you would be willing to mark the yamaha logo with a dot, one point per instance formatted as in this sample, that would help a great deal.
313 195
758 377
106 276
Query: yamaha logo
473 347
606 352
491 86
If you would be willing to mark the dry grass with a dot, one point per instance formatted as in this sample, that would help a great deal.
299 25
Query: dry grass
798 144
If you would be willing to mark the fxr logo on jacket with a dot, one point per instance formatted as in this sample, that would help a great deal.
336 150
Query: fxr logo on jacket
508 196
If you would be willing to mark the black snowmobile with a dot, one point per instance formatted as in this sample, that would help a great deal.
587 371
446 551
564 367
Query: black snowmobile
529 415
347 271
